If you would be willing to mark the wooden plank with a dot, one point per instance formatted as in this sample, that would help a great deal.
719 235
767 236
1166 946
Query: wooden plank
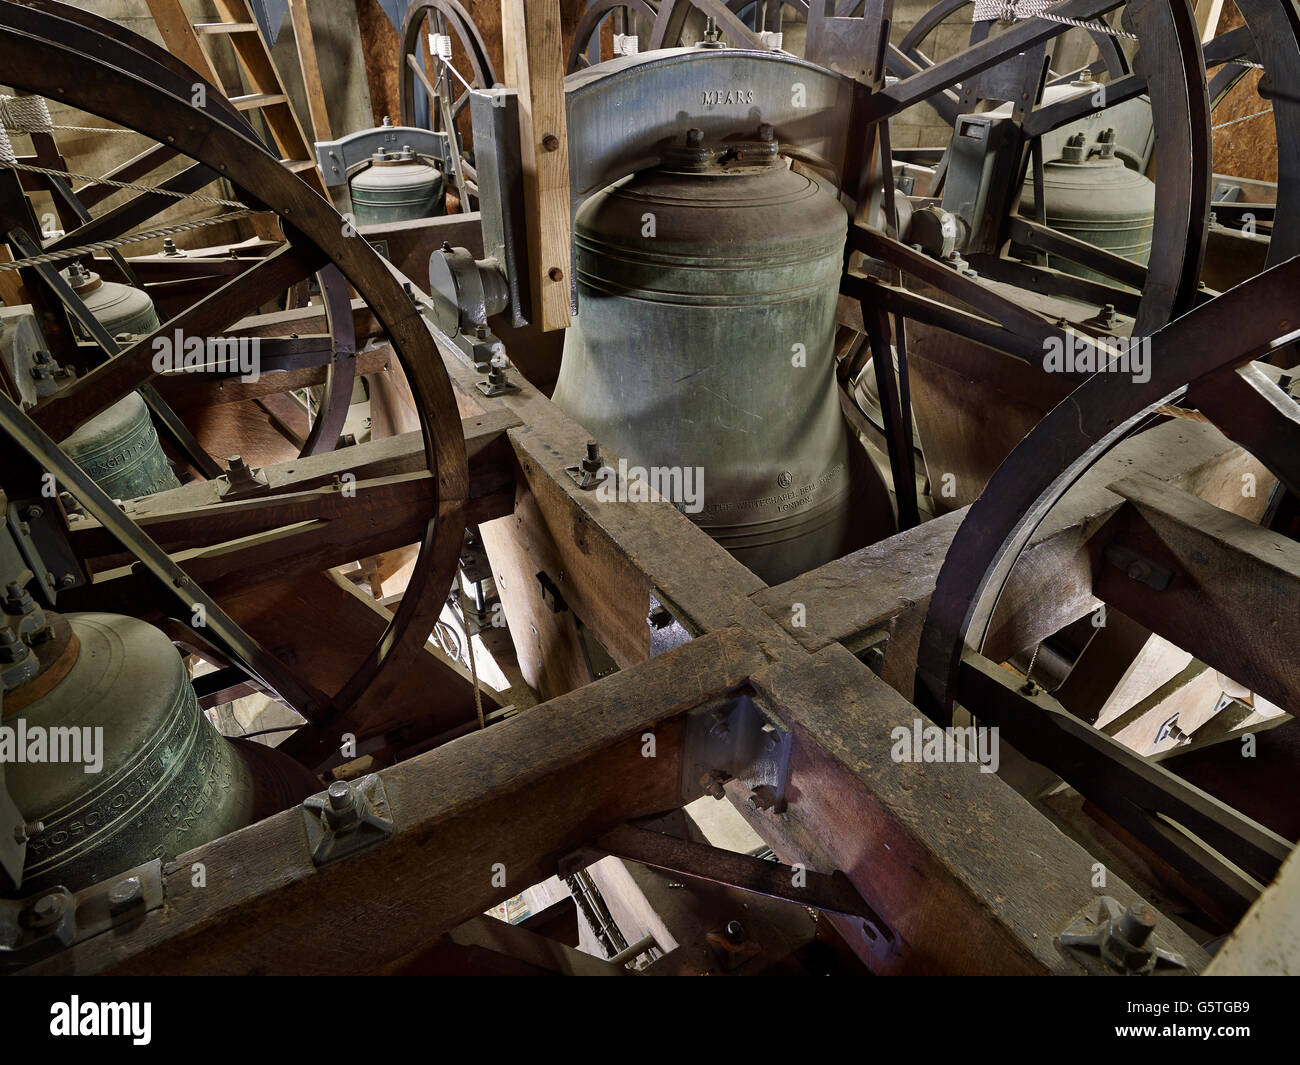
1223 567
305 41
929 846
534 64
188 391
179 38
191 516
460 811
1267 942
1051 585
1122 664
614 552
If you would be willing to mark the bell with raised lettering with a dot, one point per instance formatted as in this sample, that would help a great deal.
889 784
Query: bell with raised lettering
106 746
119 447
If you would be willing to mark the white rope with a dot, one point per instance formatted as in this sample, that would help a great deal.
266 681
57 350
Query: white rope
30 168
135 238
25 114
1243 118
1023 10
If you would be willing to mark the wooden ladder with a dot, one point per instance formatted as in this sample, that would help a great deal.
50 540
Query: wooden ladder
183 39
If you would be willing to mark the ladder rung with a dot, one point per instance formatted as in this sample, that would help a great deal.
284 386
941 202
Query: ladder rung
212 29
298 165
256 100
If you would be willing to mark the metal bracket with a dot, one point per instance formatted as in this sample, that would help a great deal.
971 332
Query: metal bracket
338 158
552 597
735 738
590 472
666 629
1137 566
241 481
47 922
350 816
1106 938
40 541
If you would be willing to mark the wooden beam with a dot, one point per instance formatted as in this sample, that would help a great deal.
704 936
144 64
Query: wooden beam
1051 585
311 80
475 824
1233 586
534 64
997 879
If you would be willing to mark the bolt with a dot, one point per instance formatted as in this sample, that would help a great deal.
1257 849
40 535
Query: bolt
1030 688
762 797
67 580
735 931
17 599
124 894
1137 924
551 143
342 814
236 464
29 831
46 910
12 649
711 783
1138 570
32 513
766 132
169 247
41 373
592 463
341 797
695 138
43 357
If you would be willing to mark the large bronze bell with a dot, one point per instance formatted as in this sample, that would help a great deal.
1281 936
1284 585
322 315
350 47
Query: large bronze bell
707 291
119 447
396 187
1089 194
137 772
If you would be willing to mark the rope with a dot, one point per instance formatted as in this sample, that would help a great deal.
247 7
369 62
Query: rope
25 114
1022 10
1084 24
30 114
32 169
473 674
135 238
1243 118
106 129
